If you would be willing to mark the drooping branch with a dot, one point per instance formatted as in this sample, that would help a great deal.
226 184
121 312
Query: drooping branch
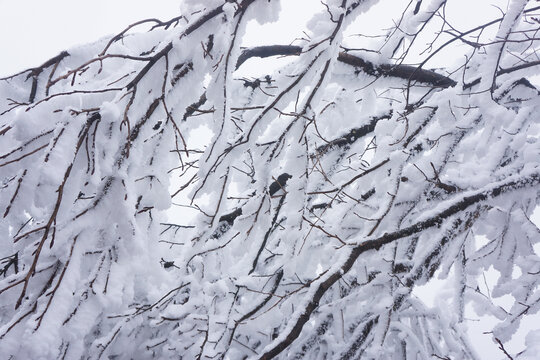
50 225
452 208
236 301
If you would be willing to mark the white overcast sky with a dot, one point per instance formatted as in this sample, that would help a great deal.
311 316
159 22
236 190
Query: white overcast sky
32 31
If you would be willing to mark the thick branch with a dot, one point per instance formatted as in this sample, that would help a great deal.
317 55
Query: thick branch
407 72
400 71
452 209
353 135
267 51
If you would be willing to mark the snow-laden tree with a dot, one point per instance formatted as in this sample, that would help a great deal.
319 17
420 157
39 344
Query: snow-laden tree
327 193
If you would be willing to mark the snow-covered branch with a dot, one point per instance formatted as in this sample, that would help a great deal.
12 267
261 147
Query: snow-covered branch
161 198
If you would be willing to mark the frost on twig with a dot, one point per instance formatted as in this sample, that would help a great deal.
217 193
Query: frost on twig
303 219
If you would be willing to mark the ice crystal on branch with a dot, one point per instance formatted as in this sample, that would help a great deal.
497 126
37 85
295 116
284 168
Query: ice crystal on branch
303 219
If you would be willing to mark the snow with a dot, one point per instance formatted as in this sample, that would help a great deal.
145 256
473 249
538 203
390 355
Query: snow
143 225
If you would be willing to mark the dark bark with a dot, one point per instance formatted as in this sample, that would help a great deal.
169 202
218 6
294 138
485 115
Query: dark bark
458 206
407 72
